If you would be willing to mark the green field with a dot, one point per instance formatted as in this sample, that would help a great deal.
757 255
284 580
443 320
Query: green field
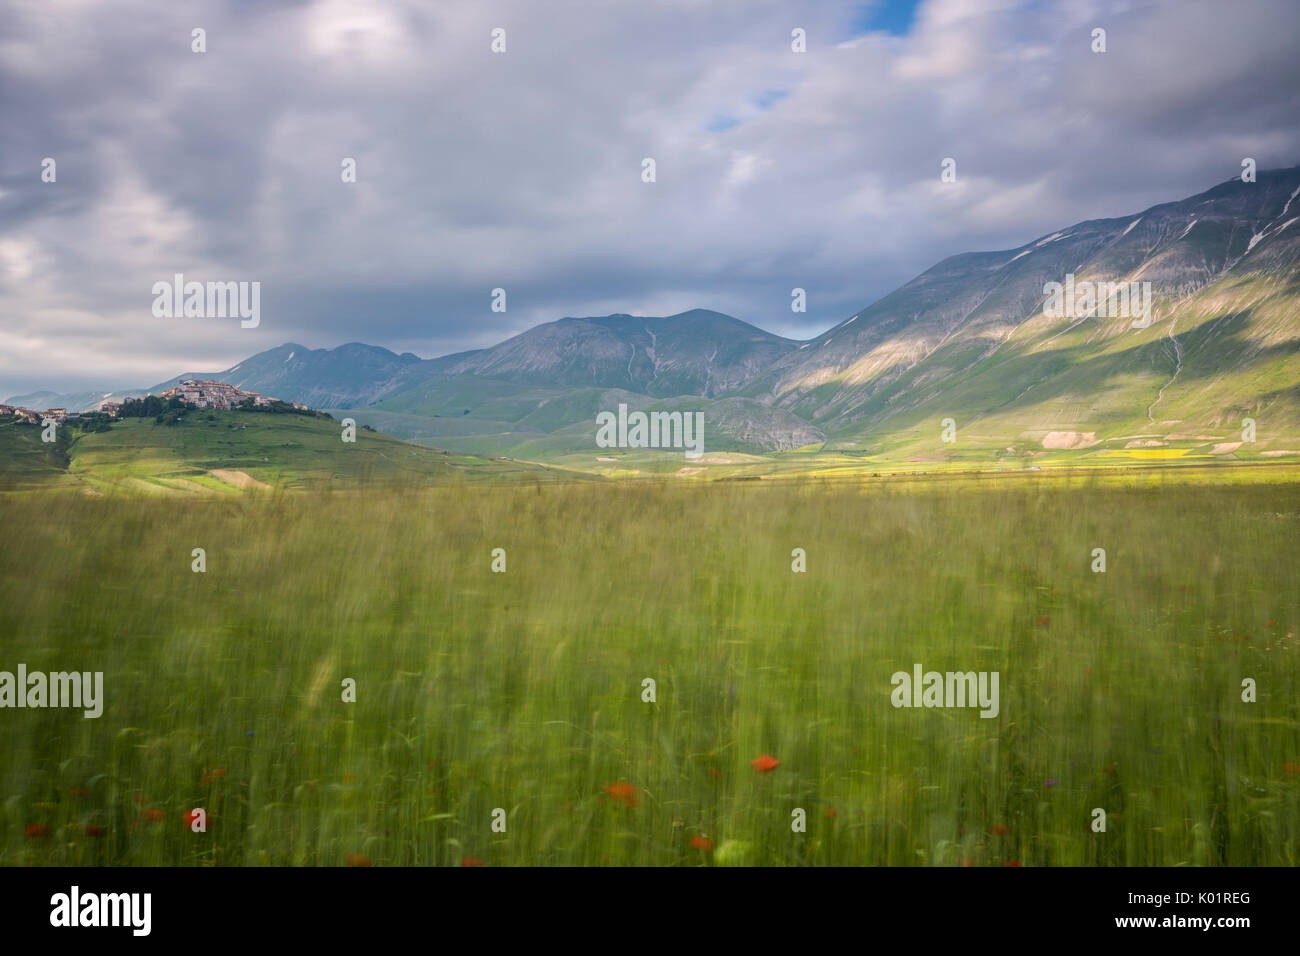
26 461
523 690
281 452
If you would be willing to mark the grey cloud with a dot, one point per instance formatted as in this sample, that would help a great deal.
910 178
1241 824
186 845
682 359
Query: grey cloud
522 170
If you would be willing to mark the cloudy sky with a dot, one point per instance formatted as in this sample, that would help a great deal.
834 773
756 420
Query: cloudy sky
522 170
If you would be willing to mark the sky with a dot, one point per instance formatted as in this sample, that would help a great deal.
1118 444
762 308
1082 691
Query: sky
523 169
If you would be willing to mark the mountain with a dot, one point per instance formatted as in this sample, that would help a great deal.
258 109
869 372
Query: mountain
553 379
968 339
972 315
539 382
352 374
42 399
73 401
693 353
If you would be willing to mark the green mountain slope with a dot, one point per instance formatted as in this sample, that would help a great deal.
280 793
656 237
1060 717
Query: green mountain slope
1223 346
968 308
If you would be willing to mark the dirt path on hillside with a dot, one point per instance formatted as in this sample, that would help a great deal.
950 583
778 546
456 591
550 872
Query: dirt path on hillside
239 479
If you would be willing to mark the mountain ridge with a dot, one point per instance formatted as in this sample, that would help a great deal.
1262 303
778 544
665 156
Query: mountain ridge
967 338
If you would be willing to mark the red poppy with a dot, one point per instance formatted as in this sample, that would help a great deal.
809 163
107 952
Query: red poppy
765 763
155 816
1044 621
831 813
1011 863
33 830
966 862
715 772
80 792
625 793
1291 768
702 843
1000 830
191 817
470 861
356 859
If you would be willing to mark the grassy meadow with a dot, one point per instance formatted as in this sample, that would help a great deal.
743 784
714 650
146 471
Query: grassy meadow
523 690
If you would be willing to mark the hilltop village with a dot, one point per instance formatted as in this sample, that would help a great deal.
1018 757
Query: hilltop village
196 393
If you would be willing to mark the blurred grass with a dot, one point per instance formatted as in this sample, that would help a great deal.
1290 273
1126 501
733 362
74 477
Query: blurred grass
522 690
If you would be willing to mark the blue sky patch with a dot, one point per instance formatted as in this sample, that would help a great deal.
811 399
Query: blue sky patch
894 17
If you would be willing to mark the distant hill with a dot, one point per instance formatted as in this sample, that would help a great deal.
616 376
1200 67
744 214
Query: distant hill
352 374
73 401
41 399
229 452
